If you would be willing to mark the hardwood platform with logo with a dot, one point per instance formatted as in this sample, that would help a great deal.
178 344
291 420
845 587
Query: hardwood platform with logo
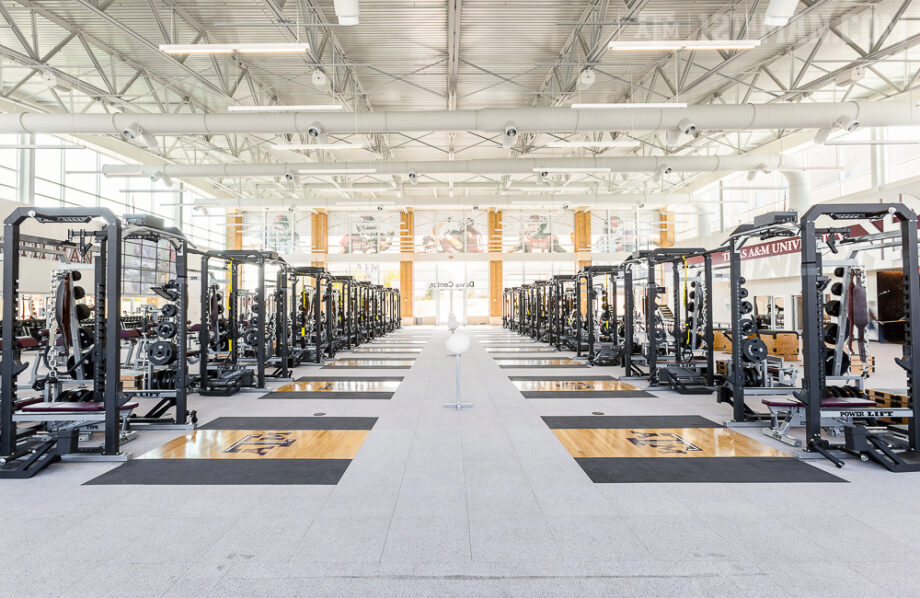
254 450
582 387
674 449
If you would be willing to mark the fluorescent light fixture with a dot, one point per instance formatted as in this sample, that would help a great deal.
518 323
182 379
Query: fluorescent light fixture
677 44
550 189
368 203
316 146
282 108
327 171
356 189
599 144
779 12
655 105
876 142
572 170
261 48
36 146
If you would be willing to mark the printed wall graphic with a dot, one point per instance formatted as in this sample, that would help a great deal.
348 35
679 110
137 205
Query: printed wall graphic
363 233
537 236
454 234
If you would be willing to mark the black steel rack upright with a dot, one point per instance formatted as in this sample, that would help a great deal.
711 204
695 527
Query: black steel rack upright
814 383
106 326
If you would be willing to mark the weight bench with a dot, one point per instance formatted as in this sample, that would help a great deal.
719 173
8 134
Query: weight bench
79 414
836 412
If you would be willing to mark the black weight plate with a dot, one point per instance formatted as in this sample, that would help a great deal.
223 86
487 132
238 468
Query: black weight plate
830 333
691 307
747 326
83 311
745 307
251 338
832 308
170 310
837 288
741 280
167 329
78 292
753 350
838 271
743 293
660 335
162 353
692 294
76 275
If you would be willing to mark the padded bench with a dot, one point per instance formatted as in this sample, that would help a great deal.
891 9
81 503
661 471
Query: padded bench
89 411
836 412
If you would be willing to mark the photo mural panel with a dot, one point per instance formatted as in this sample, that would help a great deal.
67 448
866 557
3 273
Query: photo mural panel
451 232
364 232
525 232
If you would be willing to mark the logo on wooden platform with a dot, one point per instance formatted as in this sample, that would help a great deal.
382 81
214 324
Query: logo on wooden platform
262 444
668 443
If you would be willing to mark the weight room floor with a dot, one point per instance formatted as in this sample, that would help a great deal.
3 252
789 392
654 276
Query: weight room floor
482 502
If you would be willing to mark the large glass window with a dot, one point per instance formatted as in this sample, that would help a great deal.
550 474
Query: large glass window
547 232
364 232
451 231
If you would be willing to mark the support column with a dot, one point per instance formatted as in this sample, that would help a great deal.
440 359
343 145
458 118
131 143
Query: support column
320 237
406 264
668 228
496 274
583 238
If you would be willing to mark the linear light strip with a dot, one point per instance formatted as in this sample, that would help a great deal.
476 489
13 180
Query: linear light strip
316 146
600 144
282 108
337 171
260 48
629 105
674 45
571 170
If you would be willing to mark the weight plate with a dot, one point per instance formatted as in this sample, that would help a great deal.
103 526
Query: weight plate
743 293
660 335
162 353
78 292
747 326
76 275
741 280
837 288
170 310
832 308
745 307
753 350
830 333
829 363
83 311
251 338
167 329
838 271
692 294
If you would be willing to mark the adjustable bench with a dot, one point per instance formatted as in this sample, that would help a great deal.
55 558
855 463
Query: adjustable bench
836 412
84 411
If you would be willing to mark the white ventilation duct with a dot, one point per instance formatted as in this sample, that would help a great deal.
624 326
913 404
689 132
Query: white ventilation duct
738 117
347 11
626 201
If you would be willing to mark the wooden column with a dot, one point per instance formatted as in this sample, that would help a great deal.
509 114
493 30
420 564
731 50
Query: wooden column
234 229
583 238
406 264
496 280
668 228
320 237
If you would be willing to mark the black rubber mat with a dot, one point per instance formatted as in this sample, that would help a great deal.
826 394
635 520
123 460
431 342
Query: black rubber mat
365 367
217 472
330 396
563 378
290 423
624 422
363 378
588 394
737 470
